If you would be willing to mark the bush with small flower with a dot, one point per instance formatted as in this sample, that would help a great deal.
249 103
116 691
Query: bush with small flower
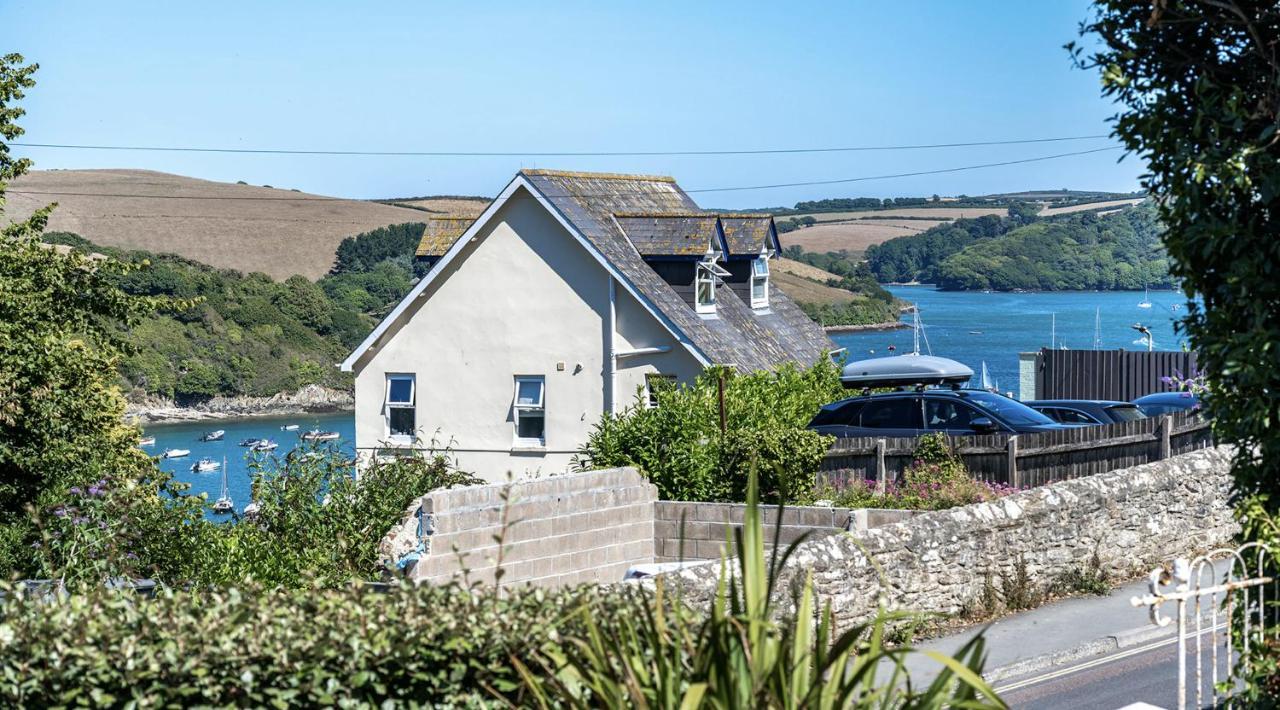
936 479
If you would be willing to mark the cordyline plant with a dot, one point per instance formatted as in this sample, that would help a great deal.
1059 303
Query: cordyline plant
742 655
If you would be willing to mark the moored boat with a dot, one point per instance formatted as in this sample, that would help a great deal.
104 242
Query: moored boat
250 442
265 445
205 465
213 435
176 453
317 435
224 504
147 441
289 427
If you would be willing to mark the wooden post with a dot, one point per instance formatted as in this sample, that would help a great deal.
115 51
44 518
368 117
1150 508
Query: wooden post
1166 434
882 474
720 394
1012 465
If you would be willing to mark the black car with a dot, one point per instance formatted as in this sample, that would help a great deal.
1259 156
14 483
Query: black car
1087 411
1167 403
920 412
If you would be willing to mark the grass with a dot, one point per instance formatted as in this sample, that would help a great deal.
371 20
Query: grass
279 232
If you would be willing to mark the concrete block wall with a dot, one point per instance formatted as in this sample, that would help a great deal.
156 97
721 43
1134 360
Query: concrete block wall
567 529
707 526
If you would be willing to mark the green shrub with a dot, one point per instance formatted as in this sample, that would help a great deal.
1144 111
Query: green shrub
680 447
788 460
418 647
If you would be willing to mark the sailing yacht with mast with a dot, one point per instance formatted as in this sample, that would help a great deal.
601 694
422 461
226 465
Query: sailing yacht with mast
224 503
1145 302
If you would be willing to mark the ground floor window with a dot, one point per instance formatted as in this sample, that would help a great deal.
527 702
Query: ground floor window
530 411
654 383
400 409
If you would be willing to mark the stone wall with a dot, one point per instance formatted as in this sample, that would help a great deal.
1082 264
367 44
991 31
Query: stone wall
1133 519
569 529
699 531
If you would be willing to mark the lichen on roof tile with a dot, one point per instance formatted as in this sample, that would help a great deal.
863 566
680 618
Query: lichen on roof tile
440 234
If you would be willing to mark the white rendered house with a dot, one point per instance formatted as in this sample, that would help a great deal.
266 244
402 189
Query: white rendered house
569 297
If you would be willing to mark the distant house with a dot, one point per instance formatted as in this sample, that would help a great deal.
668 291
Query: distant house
570 296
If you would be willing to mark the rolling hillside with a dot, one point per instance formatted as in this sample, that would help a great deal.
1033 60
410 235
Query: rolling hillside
278 232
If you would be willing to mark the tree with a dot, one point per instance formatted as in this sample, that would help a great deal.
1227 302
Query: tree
1199 83
61 316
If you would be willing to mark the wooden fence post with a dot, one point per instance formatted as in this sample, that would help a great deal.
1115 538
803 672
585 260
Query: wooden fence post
1012 465
1166 435
882 474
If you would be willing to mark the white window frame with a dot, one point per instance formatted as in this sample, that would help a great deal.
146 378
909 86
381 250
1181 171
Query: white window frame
762 260
412 406
650 393
520 410
707 271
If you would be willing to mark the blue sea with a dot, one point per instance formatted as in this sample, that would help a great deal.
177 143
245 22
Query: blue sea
974 327
187 436
971 327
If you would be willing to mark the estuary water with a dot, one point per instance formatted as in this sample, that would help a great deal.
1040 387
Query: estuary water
973 327
187 436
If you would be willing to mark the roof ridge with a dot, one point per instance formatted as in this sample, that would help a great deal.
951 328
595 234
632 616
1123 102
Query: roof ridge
629 215
596 176
745 215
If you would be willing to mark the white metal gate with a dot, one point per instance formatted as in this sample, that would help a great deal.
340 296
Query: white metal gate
1212 591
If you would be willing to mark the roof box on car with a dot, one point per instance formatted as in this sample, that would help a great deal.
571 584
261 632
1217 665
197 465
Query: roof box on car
904 371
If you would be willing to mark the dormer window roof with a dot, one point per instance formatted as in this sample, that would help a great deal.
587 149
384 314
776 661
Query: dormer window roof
672 235
746 235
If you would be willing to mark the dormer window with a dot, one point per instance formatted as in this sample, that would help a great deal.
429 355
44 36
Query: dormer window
704 284
760 281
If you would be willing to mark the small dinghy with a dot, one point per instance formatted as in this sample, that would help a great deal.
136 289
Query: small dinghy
251 442
213 435
317 435
205 466
903 371
266 445
289 427
147 441
176 453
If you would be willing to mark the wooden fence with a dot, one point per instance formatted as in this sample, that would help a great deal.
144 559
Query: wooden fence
1107 374
1025 460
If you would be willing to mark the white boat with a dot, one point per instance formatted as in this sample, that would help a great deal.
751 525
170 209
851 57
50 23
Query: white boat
176 453
205 465
266 445
988 382
317 435
250 443
1145 302
224 505
289 427
147 441
213 435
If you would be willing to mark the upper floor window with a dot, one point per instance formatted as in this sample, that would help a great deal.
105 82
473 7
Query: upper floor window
704 284
530 411
760 282
400 408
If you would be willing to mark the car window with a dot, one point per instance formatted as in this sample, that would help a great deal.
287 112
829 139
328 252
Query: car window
896 413
1071 416
1125 413
948 414
848 414
1010 410
1153 410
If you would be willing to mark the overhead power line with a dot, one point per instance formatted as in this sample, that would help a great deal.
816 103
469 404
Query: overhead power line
806 183
550 154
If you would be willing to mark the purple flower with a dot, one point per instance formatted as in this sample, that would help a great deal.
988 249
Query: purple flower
102 482
130 555
95 491
75 490
80 520
102 525
60 512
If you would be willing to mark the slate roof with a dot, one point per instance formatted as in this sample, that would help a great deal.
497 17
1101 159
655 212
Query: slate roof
657 234
441 233
737 335
747 234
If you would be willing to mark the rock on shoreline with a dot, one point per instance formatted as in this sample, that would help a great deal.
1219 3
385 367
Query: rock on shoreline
311 398
892 325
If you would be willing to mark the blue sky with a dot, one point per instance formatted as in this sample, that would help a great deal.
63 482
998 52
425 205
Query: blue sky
552 76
